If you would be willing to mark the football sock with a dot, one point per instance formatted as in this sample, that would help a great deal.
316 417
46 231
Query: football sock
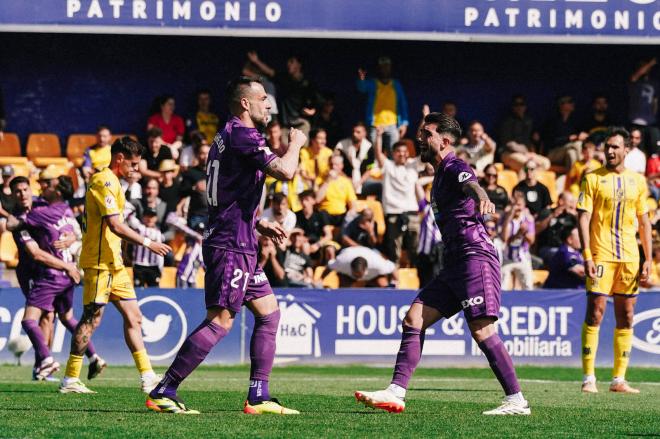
32 329
500 361
410 352
73 366
258 391
622 348
516 397
71 325
262 355
196 347
589 348
142 362
397 390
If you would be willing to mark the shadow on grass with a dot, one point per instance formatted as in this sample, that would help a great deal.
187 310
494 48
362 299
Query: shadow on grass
454 390
100 410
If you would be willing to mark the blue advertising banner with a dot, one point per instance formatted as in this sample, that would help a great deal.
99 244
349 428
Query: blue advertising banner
562 21
360 326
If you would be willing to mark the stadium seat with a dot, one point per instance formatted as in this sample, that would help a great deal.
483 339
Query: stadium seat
119 136
330 281
408 279
59 162
549 179
377 208
507 179
412 152
13 160
10 146
168 278
539 277
199 278
76 146
8 250
41 145
22 169
499 166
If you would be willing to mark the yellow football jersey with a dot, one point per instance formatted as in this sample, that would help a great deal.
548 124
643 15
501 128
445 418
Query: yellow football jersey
614 201
101 249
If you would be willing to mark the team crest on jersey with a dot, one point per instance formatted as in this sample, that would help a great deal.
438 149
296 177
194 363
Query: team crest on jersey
110 202
463 176
107 184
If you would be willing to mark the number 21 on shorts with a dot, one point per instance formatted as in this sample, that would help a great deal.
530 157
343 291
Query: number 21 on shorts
238 274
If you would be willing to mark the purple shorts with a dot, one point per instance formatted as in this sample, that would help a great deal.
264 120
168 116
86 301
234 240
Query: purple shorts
51 295
472 285
232 278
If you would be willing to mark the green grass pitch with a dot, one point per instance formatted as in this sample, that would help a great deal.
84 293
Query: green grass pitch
441 403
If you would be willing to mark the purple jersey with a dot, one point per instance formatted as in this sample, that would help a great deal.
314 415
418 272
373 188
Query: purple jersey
560 275
27 267
46 224
456 214
235 175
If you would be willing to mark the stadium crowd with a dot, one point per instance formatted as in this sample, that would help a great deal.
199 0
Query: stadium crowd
358 209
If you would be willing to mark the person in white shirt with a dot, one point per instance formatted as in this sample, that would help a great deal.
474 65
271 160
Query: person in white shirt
356 265
399 200
280 213
358 154
480 147
635 159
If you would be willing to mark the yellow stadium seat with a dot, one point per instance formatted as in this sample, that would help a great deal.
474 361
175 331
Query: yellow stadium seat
8 250
549 179
13 161
34 185
60 162
168 277
22 169
507 179
76 146
178 254
412 152
539 277
199 278
43 145
377 209
330 281
408 279
10 146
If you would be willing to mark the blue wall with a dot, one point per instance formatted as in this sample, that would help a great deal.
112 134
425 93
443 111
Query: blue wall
71 83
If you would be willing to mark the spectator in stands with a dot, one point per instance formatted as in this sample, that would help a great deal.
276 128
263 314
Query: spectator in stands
567 265
187 154
358 154
291 189
361 266
97 156
497 194
653 176
132 189
193 189
328 119
169 184
280 213
399 198
204 121
252 70
654 279
191 262
430 247
336 195
7 201
551 225
271 260
519 138
156 152
297 265
643 104
171 125
537 196
314 159
386 103
274 137
316 227
298 96
151 201
598 119
635 158
561 136
362 231
480 147
147 265
518 234
583 166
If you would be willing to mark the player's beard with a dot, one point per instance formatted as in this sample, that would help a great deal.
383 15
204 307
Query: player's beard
426 154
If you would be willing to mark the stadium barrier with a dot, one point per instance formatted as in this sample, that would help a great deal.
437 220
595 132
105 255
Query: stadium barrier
358 326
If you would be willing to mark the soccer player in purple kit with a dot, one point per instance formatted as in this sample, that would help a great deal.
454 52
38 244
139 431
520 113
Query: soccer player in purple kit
236 169
46 270
470 279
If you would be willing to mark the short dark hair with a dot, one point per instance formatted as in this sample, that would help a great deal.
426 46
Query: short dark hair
618 131
565 232
128 147
102 127
236 88
446 125
359 263
399 144
197 139
65 187
359 123
273 123
18 180
315 132
307 193
203 91
278 197
154 132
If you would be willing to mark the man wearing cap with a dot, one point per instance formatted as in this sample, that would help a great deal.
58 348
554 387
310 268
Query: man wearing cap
386 103
169 184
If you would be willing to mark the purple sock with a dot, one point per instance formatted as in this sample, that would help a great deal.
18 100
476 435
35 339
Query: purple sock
500 361
196 347
262 355
71 325
32 329
410 352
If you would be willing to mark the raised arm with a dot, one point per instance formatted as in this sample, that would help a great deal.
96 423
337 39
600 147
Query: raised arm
643 70
378 148
265 68
284 168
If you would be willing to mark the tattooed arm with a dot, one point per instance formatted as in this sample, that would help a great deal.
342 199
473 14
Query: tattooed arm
478 194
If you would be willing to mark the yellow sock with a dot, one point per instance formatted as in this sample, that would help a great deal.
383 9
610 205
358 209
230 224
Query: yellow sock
73 366
589 348
622 347
142 361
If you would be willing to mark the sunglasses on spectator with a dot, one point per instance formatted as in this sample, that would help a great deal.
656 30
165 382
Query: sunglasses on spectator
491 175
530 169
